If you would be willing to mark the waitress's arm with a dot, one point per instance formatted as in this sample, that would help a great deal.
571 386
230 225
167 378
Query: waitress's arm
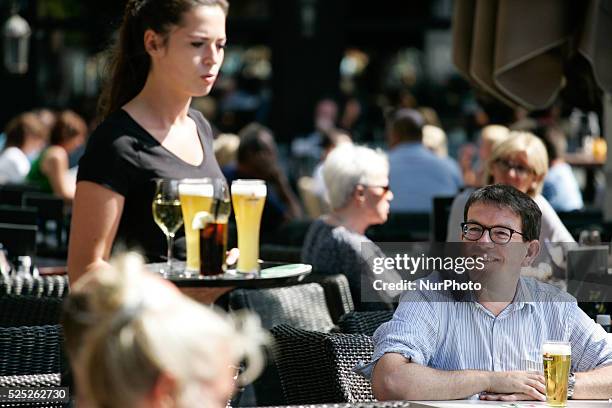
96 212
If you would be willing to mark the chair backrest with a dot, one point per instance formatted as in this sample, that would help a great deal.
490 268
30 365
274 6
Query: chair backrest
26 310
53 286
316 367
12 214
439 217
301 306
345 352
337 293
18 239
363 322
31 350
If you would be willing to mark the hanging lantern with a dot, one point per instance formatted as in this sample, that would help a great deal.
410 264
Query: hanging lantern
16 34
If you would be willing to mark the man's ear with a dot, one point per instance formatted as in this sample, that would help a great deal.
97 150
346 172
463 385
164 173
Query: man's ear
153 43
533 249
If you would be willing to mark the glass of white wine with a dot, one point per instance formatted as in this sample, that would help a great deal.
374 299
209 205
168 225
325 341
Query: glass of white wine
167 213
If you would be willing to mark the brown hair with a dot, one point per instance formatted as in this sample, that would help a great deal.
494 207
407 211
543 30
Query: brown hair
68 126
22 125
130 62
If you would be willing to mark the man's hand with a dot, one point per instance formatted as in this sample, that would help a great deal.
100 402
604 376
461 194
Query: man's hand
516 385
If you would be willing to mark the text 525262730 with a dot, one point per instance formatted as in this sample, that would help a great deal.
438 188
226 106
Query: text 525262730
34 394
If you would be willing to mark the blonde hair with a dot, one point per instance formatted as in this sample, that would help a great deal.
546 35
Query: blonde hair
226 148
434 138
349 165
522 142
494 134
125 327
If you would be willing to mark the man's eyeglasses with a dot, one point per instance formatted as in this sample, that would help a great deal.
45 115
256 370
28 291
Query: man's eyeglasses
507 165
385 188
473 231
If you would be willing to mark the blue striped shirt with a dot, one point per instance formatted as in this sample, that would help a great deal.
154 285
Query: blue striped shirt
432 329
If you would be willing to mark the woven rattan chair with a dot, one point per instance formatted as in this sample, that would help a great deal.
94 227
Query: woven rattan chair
53 286
302 306
31 350
337 293
33 380
20 310
317 367
31 301
363 322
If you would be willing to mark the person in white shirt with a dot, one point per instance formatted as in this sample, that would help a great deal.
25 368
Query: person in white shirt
26 135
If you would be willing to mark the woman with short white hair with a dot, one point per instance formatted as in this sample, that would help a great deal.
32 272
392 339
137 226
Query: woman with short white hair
135 341
357 182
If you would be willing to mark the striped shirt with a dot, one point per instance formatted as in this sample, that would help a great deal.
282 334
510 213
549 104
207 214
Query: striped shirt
432 329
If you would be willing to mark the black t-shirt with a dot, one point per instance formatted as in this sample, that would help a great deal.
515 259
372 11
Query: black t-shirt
122 156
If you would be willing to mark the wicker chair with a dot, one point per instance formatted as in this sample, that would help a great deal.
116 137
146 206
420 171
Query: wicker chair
302 306
19 310
31 350
31 380
317 367
337 293
31 301
363 322
53 286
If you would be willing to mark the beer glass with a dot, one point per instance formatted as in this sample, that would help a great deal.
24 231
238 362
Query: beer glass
167 213
212 226
248 198
196 196
557 361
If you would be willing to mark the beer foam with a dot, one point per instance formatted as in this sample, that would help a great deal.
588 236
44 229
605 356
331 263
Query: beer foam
559 349
249 189
199 190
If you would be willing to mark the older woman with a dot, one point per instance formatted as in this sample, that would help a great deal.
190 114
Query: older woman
357 181
522 162
135 341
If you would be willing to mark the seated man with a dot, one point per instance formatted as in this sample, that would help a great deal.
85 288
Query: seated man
416 174
439 348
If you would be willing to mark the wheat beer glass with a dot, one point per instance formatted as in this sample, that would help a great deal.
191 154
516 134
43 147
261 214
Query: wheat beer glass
248 198
557 359
167 214
196 196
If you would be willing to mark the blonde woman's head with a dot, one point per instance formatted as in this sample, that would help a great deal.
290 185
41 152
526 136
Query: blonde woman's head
135 340
520 161
434 138
489 137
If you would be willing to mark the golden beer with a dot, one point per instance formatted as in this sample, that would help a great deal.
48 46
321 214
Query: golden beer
248 198
557 360
196 195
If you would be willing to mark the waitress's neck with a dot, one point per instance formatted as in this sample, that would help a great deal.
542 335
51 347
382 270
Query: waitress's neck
160 102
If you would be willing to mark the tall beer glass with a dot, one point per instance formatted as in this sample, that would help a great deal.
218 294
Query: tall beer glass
248 198
557 360
196 196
